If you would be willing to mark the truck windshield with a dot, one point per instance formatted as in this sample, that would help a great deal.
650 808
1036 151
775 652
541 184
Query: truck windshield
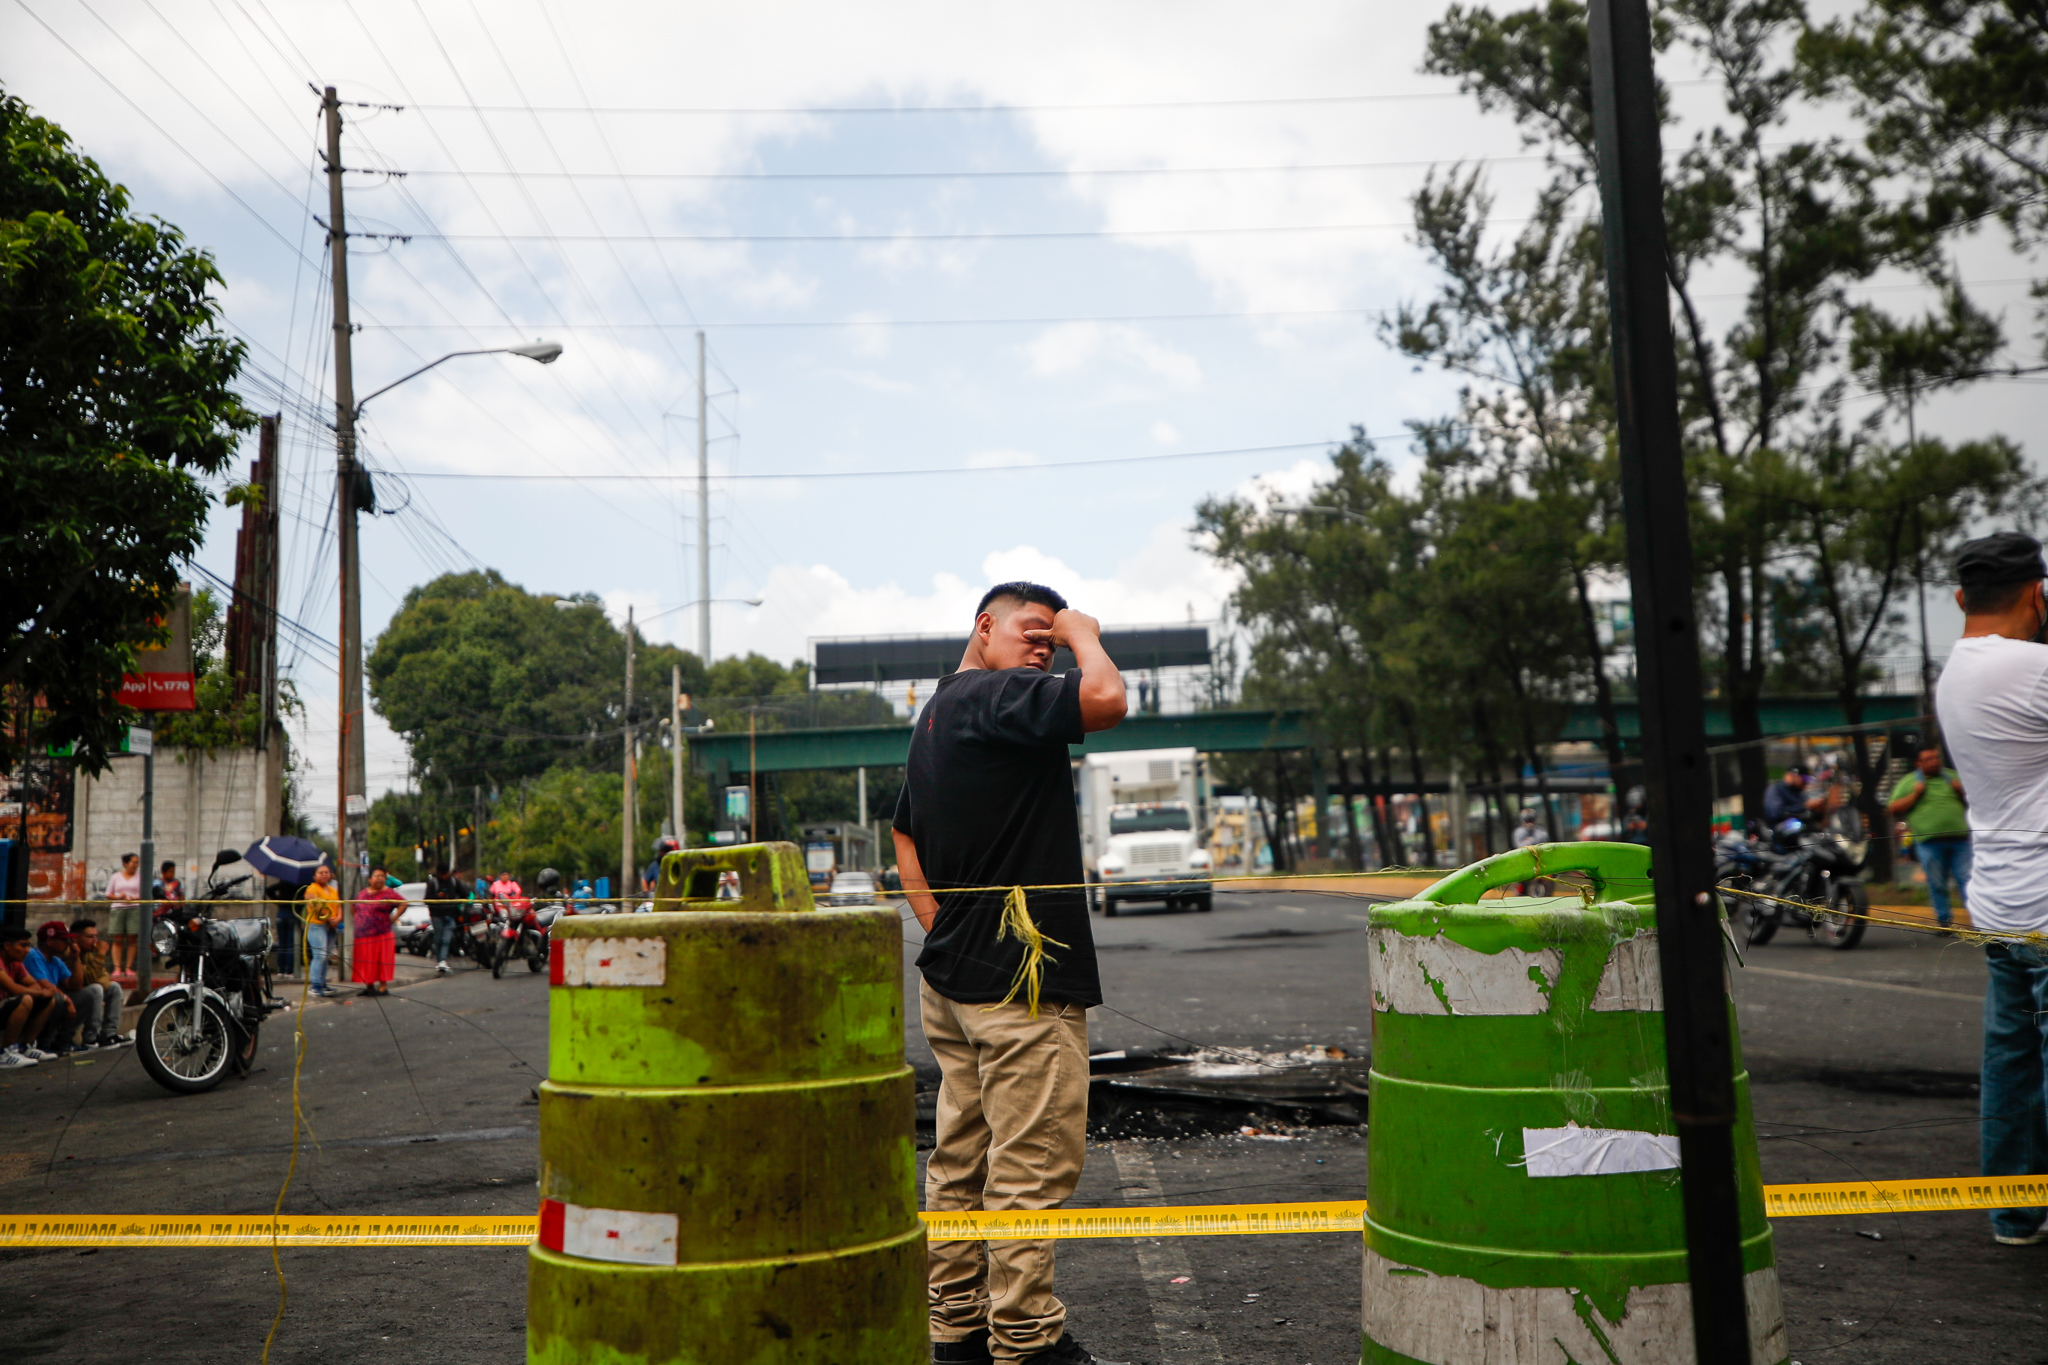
1141 821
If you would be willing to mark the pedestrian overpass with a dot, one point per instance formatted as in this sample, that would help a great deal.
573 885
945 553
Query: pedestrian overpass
1223 731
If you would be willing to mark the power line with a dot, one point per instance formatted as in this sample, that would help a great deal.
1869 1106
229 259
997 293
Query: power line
1037 173
1064 234
910 473
828 110
1049 320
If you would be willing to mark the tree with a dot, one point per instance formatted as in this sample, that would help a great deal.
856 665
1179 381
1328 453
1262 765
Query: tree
1528 323
1955 94
1796 221
117 398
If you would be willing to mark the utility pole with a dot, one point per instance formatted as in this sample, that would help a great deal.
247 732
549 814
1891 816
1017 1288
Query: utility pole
146 917
476 830
352 812
629 885
679 754
703 515
1698 1046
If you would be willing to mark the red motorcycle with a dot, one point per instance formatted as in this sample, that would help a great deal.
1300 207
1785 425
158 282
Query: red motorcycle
523 930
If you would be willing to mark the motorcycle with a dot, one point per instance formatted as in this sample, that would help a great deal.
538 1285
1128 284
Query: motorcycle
482 934
193 1033
525 935
1813 867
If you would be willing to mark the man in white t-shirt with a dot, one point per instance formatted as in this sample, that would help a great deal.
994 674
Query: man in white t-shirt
1993 706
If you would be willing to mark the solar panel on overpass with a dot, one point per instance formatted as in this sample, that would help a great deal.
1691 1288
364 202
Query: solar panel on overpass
909 658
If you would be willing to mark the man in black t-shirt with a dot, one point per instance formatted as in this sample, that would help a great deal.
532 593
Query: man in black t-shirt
988 802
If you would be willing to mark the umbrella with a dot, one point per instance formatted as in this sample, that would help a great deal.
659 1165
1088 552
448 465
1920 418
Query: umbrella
286 859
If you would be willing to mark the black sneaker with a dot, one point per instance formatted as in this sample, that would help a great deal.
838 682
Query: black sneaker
1066 1351
969 1350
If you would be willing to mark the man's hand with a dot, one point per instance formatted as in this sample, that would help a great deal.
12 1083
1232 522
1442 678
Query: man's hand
1065 626
1102 687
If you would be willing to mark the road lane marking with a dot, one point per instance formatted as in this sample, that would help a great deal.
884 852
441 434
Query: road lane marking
1177 1316
1867 985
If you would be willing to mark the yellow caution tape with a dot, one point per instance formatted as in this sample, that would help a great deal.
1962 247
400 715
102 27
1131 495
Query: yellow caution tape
1201 1220
1907 1196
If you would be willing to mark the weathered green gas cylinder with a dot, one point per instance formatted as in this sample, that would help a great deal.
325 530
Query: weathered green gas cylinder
1524 1203
728 1162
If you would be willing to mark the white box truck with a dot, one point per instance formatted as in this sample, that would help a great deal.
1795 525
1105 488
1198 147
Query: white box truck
1144 822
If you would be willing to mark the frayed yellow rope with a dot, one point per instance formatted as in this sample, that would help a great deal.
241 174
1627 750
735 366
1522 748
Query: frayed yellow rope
1031 971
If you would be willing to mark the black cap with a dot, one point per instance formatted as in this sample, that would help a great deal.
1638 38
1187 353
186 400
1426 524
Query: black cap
2006 557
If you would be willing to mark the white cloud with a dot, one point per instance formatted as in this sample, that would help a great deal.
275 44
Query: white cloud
1065 348
1164 433
1289 485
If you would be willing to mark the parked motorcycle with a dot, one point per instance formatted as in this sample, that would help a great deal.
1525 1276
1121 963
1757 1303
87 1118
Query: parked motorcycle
482 934
525 933
195 1032
1813 867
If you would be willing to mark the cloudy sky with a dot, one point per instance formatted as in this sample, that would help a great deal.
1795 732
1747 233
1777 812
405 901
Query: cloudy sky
1147 242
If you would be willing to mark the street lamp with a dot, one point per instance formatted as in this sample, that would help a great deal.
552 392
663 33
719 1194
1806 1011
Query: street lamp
546 352
348 409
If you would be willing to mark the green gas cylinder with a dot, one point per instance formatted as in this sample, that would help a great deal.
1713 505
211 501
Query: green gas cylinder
728 1161
1524 1204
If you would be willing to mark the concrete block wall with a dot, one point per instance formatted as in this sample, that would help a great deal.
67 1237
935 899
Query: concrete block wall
204 802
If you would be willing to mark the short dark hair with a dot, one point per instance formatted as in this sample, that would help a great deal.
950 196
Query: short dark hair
15 934
1023 594
1984 599
170 865
79 926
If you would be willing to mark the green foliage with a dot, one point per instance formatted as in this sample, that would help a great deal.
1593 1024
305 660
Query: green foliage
218 720
500 689
1953 93
116 383
1785 486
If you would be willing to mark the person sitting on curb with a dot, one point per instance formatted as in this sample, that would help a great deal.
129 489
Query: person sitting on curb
52 961
25 1003
100 998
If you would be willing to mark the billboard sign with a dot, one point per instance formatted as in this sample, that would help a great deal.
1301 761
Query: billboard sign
162 680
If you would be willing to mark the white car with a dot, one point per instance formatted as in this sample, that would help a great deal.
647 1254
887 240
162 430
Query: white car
415 915
852 888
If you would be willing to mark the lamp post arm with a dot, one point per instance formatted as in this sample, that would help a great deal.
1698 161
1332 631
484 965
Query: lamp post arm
364 401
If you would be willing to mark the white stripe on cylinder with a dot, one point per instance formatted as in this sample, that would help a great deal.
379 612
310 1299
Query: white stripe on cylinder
614 961
619 1235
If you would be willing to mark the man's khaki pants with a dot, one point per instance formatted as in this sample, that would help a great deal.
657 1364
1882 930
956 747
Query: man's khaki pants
1012 1131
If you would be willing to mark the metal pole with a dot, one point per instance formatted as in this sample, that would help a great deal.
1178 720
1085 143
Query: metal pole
145 913
860 784
629 885
703 515
1697 1042
476 830
353 809
679 753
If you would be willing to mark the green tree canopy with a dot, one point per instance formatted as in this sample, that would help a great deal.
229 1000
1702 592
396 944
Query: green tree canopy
114 396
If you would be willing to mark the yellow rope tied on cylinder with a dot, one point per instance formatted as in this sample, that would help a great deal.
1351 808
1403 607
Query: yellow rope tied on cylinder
1031 971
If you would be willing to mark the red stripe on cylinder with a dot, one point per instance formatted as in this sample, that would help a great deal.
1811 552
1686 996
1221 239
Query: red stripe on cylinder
551 1213
556 953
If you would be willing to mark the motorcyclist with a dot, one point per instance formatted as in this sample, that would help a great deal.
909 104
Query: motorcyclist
663 846
1786 800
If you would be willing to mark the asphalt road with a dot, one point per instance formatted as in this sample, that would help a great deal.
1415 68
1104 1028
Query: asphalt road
1864 1064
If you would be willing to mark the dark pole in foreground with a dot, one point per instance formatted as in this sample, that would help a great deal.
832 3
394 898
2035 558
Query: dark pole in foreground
1697 1044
